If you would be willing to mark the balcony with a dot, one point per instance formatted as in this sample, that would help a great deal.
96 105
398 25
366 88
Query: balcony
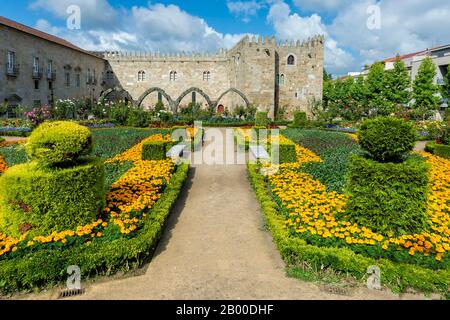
12 70
51 75
37 74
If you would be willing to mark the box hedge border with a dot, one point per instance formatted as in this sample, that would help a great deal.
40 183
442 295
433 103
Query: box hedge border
440 150
47 268
397 276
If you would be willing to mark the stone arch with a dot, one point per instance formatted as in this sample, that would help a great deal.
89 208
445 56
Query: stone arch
240 93
106 93
163 93
190 90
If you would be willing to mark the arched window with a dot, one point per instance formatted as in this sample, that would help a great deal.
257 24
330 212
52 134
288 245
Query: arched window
141 76
206 75
173 75
282 80
291 60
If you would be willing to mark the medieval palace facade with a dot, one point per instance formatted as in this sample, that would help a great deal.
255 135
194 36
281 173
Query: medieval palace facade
262 72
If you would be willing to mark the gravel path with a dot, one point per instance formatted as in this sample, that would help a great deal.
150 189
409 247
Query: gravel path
216 247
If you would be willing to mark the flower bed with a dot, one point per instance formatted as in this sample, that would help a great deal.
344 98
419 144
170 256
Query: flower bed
137 205
309 216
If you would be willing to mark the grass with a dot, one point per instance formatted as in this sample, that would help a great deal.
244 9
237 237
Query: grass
319 140
334 148
112 141
14 155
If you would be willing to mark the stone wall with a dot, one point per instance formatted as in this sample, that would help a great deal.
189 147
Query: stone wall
65 60
253 67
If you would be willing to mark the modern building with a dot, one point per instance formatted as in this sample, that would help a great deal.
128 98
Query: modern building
37 68
440 56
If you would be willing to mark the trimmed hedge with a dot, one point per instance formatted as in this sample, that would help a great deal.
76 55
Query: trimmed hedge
48 200
440 150
155 150
397 276
54 143
387 139
262 119
46 268
300 119
388 197
288 153
15 133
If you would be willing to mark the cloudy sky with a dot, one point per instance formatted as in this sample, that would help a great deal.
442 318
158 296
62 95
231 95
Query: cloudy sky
357 32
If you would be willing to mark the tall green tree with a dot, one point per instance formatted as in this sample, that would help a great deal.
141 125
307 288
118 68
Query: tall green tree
358 93
376 90
425 92
445 88
398 84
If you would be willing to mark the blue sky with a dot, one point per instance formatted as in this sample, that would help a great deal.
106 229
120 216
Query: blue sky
357 32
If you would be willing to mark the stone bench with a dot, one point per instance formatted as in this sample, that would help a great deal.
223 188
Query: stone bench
176 151
259 153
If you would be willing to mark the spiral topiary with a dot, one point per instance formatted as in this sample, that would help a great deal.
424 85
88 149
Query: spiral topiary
387 139
56 143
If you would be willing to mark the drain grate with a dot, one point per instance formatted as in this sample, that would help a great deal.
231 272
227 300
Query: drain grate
71 293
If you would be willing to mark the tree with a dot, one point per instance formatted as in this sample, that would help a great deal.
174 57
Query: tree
376 90
445 88
424 90
327 76
358 92
398 84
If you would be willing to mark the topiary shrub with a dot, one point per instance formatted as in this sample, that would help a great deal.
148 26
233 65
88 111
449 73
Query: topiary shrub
42 200
388 197
60 142
300 119
59 190
262 119
387 139
155 150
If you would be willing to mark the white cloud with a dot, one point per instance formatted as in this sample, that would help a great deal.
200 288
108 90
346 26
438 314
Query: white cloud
295 27
406 27
321 5
152 27
244 9
94 13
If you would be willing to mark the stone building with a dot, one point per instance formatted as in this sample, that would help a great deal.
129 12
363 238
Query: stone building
37 68
265 73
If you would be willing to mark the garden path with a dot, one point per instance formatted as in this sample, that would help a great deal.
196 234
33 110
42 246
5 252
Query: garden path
215 246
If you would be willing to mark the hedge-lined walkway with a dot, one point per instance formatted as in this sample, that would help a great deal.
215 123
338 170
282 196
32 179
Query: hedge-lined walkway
216 247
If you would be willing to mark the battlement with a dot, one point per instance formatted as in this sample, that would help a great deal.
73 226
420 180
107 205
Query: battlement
248 41
221 55
158 56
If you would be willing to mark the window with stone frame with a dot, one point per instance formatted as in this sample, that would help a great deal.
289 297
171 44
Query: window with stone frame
291 60
173 75
141 76
67 78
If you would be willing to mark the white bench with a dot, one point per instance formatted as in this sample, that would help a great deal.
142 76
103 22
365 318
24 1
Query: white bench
259 152
176 151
